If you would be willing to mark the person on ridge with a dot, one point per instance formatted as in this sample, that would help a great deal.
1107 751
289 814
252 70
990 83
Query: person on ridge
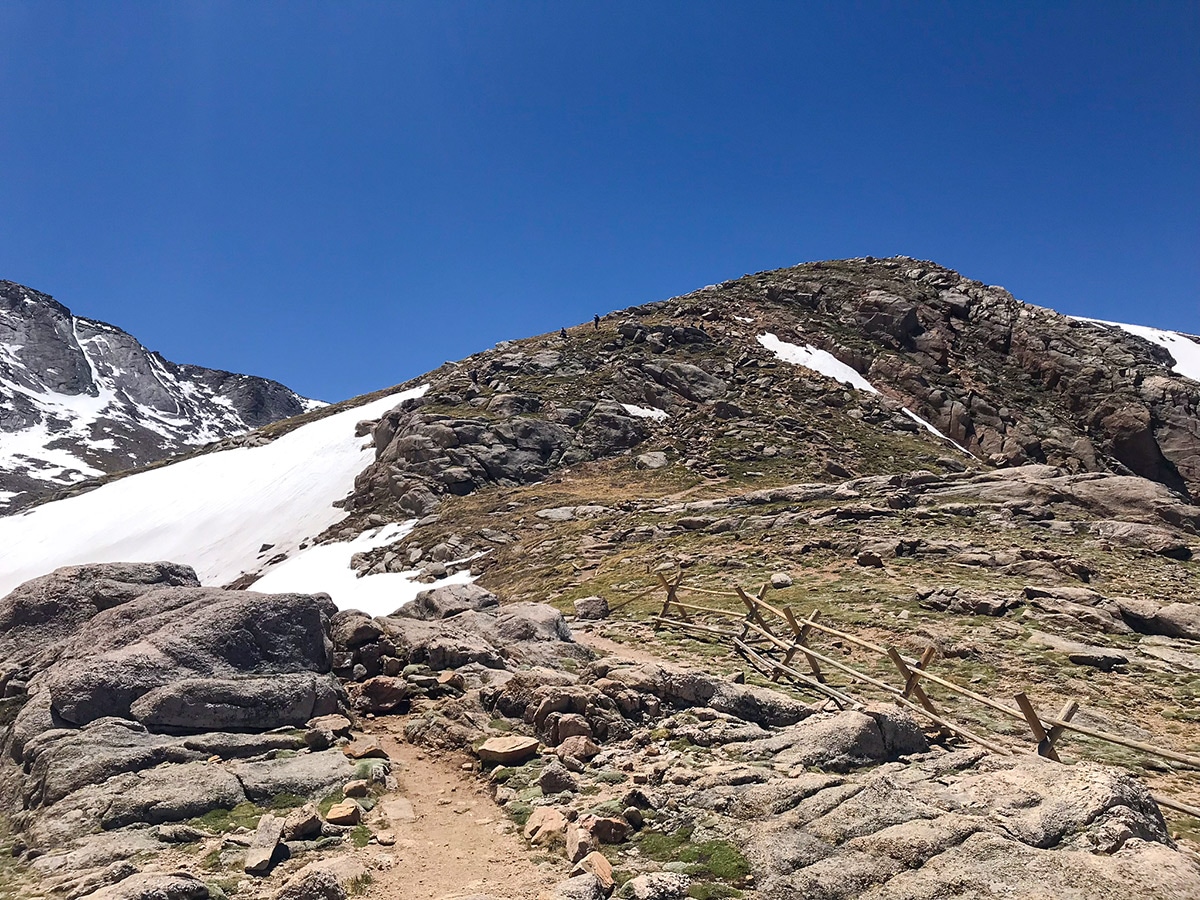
596 322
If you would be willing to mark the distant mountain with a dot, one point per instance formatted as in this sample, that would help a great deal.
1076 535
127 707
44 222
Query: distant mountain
80 398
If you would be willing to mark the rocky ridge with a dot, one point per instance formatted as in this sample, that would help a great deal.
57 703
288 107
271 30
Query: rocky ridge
82 398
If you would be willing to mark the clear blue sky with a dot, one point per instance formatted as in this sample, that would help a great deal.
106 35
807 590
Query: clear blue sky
343 195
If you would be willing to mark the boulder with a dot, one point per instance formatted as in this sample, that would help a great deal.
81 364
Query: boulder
579 887
843 741
593 607
303 775
170 635
597 864
510 750
261 851
656 886
444 602
345 813
154 886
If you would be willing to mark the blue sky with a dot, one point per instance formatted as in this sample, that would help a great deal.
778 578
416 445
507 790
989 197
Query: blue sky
341 196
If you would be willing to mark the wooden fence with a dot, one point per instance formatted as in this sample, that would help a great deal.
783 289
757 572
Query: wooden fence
778 643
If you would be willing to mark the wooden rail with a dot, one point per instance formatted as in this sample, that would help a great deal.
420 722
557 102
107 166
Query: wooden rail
770 638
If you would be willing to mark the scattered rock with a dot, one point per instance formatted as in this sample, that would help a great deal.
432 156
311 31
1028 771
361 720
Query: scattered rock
591 608
345 813
262 849
510 750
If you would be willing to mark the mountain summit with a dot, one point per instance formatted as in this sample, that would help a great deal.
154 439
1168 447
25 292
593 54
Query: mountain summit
80 398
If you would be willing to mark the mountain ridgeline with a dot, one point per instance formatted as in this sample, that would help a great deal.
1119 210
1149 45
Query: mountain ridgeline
80 398
696 378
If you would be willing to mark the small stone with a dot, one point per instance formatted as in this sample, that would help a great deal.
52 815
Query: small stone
357 788
655 459
555 779
595 863
606 829
634 817
579 844
345 813
544 825
870 560
452 680
781 580
362 748
509 750
338 724
577 747
385 839
302 823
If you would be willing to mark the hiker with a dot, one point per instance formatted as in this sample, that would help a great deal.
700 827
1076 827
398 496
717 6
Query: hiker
596 322
562 333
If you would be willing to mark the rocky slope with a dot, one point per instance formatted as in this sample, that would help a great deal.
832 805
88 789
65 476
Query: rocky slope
729 381
79 398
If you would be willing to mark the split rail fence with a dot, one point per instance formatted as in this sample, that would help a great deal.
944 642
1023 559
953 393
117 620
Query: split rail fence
778 643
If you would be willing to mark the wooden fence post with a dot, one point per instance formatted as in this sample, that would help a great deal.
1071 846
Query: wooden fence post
912 679
1045 747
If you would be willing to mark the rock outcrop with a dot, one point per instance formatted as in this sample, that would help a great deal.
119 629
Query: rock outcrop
135 697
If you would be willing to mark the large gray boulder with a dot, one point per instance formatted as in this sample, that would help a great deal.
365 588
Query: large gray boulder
257 702
843 741
444 602
170 635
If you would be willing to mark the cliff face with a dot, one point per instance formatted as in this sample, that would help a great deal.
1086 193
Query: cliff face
80 398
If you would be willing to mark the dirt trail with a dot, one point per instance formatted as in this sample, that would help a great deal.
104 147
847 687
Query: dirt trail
450 836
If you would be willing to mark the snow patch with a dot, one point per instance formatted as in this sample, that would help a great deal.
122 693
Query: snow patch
212 512
929 427
820 361
326 567
645 412
1184 349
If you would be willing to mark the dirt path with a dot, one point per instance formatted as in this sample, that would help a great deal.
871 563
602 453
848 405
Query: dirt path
451 839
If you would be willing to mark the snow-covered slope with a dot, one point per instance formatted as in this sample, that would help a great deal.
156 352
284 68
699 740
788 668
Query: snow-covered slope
223 513
79 398
1183 348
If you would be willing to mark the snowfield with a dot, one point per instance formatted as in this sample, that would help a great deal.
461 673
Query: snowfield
215 512
326 567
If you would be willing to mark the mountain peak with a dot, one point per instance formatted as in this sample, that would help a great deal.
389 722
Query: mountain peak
82 398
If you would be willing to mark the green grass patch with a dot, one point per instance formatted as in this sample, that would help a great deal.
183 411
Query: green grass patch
244 815
360 836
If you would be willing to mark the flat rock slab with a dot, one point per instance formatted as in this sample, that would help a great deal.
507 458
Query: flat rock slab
364 749
262 850
509 750
345 813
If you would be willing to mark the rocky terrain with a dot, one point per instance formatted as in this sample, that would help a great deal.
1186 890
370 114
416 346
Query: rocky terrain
168 740
81 398
923 460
